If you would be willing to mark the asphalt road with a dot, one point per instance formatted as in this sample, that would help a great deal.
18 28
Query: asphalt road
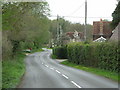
43 72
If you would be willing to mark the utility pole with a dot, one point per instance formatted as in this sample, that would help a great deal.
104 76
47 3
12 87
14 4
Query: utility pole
61 32
58 34
85 19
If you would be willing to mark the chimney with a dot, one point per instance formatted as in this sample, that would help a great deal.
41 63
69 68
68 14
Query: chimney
101 27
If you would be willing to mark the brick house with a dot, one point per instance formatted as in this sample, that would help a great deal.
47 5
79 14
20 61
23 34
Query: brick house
101 28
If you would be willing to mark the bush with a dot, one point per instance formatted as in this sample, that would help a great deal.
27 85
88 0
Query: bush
100 55
60 52
6 47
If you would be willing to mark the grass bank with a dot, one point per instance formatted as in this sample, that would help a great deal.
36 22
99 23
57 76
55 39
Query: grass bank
12 71
37 50
105 73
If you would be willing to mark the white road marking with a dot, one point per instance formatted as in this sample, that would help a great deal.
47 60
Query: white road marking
46 65
42 63
57 71
76 84
65 76
52 68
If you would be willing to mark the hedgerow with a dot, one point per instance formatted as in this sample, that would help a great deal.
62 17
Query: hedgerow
60 52
100 55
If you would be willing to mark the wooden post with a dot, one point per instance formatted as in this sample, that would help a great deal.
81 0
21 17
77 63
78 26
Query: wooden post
85 19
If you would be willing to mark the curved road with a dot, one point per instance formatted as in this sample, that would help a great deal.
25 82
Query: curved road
43 72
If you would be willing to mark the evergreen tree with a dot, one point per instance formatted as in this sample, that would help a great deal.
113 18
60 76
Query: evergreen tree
116 16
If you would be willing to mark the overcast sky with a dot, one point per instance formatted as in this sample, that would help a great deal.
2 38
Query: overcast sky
76 9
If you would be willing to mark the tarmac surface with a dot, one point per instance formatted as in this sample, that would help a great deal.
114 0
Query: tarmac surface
44 72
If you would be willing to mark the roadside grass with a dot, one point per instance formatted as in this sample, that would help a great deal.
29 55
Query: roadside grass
53 56
37 50
49 48
105 73
0 74
12 71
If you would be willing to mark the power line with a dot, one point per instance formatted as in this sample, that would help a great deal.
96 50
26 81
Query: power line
77 9
79 17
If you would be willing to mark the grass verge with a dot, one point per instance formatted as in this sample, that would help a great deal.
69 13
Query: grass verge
105 73
53 56
12 71
37 50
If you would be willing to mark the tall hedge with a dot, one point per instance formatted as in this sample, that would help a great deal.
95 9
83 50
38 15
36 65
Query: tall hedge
60 52
100 55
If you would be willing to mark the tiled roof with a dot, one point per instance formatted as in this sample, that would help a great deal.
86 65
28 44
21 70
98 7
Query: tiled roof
70 34
106 28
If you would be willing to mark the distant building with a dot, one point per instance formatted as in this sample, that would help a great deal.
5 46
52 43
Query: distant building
73 37
101 28
101 39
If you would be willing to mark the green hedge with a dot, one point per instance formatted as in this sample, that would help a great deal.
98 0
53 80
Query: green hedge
60 52
100 55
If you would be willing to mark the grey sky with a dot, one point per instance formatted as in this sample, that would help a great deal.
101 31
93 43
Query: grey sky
76 8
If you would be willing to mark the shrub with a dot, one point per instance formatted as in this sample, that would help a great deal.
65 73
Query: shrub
60 52
6 47
100 55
